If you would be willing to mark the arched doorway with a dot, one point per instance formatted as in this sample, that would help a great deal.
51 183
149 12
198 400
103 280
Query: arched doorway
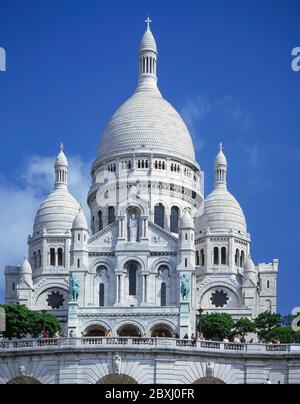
95 331
23 380
129 330
117 379
161 331
209 380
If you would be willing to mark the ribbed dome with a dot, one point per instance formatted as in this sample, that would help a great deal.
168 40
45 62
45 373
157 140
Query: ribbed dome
222 212
249 266
221 159
61 160
148 42
147 122
57 212
186 221
80 221
26 267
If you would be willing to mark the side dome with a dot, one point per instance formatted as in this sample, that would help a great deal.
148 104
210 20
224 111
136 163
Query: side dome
222 212
249 266
147 122
186 221
26 267
80 221
57 213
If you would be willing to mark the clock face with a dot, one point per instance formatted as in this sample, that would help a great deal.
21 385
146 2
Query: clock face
55 300
219 299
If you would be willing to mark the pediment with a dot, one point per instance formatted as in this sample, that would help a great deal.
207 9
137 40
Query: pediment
106 237
159 237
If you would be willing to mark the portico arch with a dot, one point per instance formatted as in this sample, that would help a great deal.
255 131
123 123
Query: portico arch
129 330
117 379
161 331
95 331
23 380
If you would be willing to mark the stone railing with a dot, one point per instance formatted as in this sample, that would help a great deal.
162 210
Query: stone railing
143 344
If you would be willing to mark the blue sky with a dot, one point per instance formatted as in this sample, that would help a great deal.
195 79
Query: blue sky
225 65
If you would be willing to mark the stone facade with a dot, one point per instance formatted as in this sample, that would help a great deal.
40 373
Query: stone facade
156 251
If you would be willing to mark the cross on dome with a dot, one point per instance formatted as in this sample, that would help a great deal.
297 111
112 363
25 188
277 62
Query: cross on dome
148 21
62 147
221 147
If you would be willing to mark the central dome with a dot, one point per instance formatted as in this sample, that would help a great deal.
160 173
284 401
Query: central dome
147 121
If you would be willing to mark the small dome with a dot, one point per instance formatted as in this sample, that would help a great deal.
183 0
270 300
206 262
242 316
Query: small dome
61 160
222 212
80 221
249 266
57 212
148 42
186 221
221 159
26 267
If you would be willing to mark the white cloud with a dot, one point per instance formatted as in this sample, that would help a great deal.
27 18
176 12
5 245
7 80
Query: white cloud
192 112
20 201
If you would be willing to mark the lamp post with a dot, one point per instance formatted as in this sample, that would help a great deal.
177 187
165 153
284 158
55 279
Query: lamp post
200 311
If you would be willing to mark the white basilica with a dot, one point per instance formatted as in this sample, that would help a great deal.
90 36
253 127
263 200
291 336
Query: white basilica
157 252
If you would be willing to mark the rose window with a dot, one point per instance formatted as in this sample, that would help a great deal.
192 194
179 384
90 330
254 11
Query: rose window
219 299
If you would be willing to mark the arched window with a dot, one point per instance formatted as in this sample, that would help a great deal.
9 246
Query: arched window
242 260
197 259
202 258
159 215
163 297
111 215
174 219
223 256
39 259
132 274
34 260
101 295
60 257
52 257
78 263
237 257
268 284
100 220
216 256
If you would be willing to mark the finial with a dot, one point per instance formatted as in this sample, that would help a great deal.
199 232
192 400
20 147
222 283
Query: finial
148 22
221 147
61 147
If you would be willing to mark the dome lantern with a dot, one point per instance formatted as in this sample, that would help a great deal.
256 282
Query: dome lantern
221 166
148 61
61 169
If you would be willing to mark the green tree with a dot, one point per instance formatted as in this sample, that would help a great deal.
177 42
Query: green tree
217 326
243 327
297 337
283 335
20 321
265 323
